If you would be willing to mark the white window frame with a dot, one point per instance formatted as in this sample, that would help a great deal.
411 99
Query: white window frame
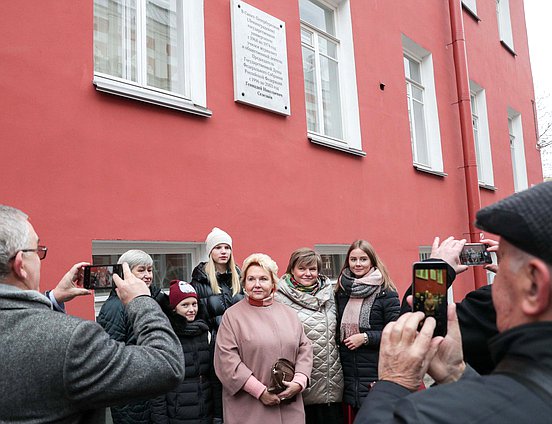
517 149
505 23
471 5
482 137
433 133
350 115
116 247
195 100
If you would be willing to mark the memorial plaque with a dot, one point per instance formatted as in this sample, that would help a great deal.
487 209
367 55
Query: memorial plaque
259 55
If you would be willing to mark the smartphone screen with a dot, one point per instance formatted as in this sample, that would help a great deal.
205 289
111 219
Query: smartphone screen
429 292
101 276
475 254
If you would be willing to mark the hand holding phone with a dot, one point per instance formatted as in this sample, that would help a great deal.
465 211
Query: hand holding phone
429 292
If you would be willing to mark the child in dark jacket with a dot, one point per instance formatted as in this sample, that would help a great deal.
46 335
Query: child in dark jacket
192 401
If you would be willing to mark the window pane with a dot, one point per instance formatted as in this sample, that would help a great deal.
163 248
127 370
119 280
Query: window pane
330 98
422 156
171 266
306 37
412 70
417 94
165 45
318 15
115 38
327 47
311 100
331 265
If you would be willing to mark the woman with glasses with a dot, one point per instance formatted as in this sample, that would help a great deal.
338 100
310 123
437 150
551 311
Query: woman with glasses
366 301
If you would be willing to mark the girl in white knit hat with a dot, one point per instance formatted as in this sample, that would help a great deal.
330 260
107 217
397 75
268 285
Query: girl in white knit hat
217 283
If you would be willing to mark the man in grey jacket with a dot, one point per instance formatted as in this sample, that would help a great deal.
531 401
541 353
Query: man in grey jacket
58 368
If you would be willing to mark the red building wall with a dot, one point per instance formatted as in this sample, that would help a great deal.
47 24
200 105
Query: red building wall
87 165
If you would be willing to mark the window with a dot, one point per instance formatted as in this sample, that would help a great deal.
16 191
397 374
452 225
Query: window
517 150
422 108
171 260
329 73
333 257
481 136
151 50
471 5
504 23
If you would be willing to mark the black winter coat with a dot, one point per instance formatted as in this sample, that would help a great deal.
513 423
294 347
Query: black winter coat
113 318
360 366
497 398
211 308
192 401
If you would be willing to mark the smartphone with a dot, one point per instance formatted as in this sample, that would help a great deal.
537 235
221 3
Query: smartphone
101 276
475 254
429 292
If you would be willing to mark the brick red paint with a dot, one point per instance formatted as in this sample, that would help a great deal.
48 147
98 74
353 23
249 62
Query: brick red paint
87 165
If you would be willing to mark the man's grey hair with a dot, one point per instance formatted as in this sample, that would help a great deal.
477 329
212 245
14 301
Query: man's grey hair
135 258
14 236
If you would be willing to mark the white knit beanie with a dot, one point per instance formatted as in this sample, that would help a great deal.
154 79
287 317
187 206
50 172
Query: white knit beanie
217 236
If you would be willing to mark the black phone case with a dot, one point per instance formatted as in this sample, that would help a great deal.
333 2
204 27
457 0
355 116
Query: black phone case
428 295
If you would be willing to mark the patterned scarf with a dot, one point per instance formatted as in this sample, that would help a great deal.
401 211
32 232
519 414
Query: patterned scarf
362 292
300 287
267 301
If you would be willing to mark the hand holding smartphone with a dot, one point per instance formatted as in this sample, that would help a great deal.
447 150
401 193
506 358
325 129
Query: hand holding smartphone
429 292
101 276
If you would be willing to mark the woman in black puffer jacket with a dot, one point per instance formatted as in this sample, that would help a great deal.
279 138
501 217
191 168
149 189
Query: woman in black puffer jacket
192 401
366 301
113 319
217 283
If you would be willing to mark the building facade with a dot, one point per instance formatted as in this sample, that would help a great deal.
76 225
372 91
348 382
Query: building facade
122 127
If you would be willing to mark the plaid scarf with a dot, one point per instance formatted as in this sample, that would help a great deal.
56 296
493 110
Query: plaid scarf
362 292
300 287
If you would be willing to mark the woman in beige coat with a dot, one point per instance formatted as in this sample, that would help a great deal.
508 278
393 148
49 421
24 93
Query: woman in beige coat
253 335
311 295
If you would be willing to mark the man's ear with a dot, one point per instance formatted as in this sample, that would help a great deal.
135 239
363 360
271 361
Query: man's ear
537 293
18 267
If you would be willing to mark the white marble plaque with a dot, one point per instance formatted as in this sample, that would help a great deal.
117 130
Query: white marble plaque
259 55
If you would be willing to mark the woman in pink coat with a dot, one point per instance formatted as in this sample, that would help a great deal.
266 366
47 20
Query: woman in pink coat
253 335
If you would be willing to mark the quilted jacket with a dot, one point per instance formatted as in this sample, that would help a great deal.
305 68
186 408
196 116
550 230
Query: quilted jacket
318 314
192 401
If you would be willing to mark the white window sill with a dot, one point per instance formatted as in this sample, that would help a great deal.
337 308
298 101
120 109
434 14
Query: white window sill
487 186
428 170
131 91
334 144
507 47
471 12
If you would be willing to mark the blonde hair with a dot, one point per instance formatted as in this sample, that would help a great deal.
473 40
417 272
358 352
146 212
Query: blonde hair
374 259
265 262
211 272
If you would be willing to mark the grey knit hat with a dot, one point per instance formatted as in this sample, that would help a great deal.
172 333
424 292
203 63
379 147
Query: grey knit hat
524 219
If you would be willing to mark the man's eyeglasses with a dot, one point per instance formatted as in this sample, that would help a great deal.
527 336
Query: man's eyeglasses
40 251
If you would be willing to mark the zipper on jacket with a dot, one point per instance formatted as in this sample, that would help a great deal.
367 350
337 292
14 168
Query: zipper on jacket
327 355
